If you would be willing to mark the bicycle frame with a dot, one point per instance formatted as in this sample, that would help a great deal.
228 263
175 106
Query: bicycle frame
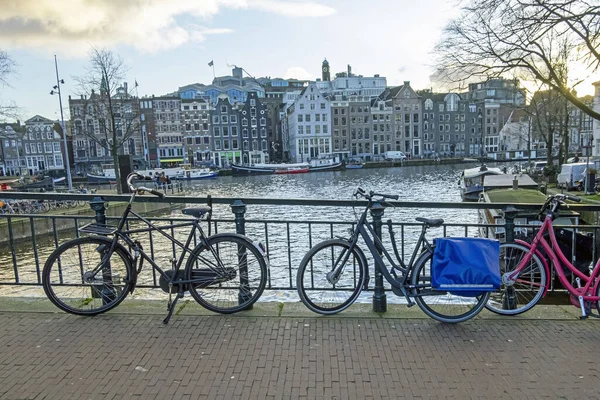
559 260
375 245
124 235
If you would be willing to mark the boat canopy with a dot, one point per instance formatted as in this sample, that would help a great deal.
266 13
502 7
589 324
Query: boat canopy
479 171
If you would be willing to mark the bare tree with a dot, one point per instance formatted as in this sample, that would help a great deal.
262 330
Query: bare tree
534 40
549 112
7 66
107 114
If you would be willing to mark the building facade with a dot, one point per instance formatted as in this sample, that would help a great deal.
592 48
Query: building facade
195 125
309 126
169 137
226 133
93 126
43 147
12 156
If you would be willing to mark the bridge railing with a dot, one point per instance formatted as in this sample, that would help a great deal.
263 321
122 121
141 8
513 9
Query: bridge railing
288 228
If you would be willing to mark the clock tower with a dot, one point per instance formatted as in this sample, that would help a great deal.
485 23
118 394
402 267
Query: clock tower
325 69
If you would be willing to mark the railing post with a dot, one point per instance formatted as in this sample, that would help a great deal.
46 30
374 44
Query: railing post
239 209
99 206
107 292
510 213
379 296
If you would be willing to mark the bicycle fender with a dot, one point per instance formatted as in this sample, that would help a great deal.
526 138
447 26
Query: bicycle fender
542 259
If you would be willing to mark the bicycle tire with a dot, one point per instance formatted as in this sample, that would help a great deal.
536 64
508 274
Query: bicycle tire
445 307
316 292
64 276
523 295
222 289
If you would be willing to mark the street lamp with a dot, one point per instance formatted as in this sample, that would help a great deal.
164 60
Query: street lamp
480 119
62 120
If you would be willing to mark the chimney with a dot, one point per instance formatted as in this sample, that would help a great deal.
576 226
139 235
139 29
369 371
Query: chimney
406 83
349 70
125 87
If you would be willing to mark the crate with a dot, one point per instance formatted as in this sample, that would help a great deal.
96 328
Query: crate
98 229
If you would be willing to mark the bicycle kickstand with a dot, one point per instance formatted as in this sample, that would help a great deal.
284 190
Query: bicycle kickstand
171 306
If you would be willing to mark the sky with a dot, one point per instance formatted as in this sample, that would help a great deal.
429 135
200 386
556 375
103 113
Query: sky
168 44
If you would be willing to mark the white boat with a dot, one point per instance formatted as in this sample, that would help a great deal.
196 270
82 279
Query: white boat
183 172
196 173
471 181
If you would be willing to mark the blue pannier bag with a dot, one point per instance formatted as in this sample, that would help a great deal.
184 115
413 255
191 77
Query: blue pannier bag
466 266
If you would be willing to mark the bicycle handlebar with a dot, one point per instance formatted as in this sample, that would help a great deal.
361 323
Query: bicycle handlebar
133 189
369 196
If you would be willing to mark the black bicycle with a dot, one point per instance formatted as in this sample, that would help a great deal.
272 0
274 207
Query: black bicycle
333 273
225 273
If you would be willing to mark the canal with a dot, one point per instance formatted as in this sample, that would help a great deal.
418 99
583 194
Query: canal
287 244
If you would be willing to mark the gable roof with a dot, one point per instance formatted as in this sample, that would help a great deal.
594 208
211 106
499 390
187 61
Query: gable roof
39 118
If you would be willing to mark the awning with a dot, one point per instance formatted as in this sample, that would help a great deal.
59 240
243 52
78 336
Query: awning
162 160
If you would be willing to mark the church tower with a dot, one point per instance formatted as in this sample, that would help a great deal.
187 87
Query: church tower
325 69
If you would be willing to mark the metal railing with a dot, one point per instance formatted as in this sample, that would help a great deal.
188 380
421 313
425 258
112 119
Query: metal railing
27 240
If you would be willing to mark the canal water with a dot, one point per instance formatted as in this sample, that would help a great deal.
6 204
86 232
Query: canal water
287 243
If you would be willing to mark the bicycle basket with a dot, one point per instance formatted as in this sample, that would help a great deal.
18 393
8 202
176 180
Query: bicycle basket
466 266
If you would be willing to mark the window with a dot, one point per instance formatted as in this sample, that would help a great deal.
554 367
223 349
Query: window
56 146
223 109
318 118
233 119
216 131
225 131
215 119
312 106
299 117
263 132
245 132
224 119
263 121
302 106
307 117
324 118
254 133
234 131
322 106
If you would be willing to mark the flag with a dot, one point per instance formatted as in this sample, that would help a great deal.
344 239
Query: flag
210 64
136 84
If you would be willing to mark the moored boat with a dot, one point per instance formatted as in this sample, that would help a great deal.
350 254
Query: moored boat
196 173
471 181
524 217
292 170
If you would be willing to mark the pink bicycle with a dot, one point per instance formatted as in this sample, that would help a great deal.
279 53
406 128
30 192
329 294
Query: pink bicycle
526 273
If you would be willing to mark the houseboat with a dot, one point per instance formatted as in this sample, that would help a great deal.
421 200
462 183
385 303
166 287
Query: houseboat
471 181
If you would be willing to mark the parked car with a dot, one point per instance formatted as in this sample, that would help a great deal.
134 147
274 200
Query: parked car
394 156
570 174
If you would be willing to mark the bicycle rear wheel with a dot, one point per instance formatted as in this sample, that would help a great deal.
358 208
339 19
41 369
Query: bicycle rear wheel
529 285
80 277
230 273
441 305
330 296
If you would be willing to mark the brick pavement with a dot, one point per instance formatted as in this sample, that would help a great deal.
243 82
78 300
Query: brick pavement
59 356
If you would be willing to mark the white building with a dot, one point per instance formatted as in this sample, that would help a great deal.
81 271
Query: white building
370 86
309 126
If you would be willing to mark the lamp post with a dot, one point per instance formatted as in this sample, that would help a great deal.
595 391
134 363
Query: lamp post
64 128
480 120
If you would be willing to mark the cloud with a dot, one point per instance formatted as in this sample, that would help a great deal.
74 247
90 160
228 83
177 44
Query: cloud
297 73
148 25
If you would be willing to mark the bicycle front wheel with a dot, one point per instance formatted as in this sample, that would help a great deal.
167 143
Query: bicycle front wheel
229 273
441 305
81 277
529 285
323 293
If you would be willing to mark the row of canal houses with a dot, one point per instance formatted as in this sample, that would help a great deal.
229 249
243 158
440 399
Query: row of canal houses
242 120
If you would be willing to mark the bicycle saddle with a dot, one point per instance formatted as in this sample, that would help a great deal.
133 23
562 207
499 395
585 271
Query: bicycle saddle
197 212
433 222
